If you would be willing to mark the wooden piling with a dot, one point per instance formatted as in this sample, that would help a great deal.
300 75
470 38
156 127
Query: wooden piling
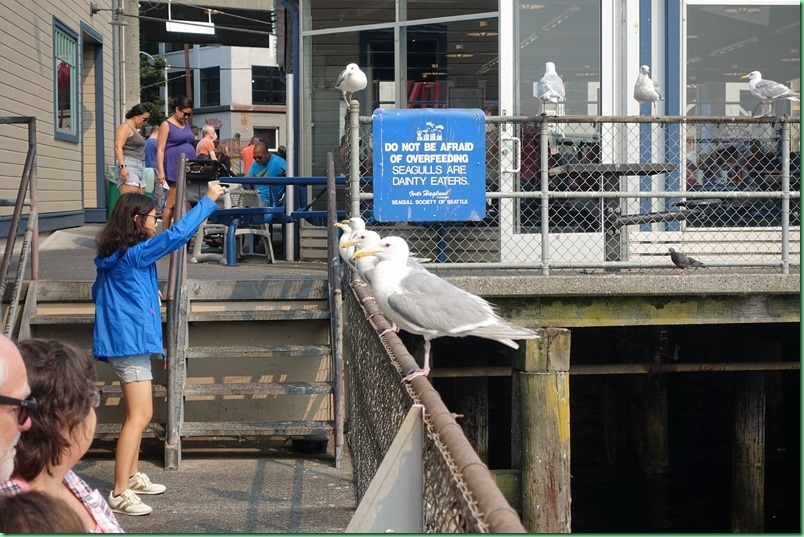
542 373
655 444
748 455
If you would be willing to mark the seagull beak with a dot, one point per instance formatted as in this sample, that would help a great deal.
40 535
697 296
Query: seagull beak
340 225
744 77
348 244
362 253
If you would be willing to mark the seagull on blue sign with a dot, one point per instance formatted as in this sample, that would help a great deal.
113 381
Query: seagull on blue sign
420 302
351 80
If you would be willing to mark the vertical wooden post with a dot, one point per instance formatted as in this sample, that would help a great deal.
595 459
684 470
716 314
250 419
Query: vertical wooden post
473 397
748 455
655 443
542 373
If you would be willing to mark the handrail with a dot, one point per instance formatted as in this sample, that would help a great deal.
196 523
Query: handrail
336 313
27 183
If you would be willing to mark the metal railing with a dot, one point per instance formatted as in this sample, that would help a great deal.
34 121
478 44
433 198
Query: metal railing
460 495
30 244
615 193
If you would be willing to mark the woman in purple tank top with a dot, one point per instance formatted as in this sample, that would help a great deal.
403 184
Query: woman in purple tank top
175 137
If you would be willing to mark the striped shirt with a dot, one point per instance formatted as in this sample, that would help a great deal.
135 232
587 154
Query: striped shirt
92 499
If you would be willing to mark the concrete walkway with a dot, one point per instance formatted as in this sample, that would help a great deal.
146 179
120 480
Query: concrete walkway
242 488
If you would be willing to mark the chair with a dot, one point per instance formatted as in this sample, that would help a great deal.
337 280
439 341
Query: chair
207 228
248 216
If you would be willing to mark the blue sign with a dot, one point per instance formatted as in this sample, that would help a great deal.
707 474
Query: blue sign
429 165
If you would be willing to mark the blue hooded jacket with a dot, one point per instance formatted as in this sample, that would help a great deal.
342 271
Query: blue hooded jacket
126 293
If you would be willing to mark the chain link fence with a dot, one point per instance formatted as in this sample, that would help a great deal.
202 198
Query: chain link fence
459 494
617 193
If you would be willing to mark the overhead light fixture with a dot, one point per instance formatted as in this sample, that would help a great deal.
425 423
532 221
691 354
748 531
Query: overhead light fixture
561 18
528 41
530 5
190 27
786 27
118 15
483 32
694 59
435 71
742 10
734 46
488 66
459 53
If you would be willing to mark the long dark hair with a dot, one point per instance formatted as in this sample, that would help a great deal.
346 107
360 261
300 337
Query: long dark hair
122 231
62 378
137 110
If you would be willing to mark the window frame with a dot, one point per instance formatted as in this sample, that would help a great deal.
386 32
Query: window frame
65 43
210 85
276 95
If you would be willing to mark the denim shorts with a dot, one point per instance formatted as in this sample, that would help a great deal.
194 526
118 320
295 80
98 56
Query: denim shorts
135 169
132 368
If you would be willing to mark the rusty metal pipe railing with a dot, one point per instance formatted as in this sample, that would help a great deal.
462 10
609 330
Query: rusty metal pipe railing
492 506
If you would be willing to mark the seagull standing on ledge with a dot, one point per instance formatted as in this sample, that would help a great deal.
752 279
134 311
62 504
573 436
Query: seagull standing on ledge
550 87
647 90
768 91
351 80
682 261
419 302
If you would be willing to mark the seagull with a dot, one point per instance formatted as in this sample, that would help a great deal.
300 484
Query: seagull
550 87
682 261
420 302
768 91
351 80
350 227
647 90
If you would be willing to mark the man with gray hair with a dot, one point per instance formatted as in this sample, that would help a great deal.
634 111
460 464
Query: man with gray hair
15 404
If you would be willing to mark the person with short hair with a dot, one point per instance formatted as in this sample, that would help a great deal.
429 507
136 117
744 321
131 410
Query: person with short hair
128 323
268 164
206 146
247 154
62 379
37 512
16 404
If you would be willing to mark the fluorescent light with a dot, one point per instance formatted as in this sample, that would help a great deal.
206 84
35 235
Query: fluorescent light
459 53
483 32
530 5
188 27
743 10
561 18
734 46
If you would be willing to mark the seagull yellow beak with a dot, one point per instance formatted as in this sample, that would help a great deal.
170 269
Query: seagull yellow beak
744 77
340 224
362 253
349 244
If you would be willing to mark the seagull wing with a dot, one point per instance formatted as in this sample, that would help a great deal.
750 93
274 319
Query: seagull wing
770 90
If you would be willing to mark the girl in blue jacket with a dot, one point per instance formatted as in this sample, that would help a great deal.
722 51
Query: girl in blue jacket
128 323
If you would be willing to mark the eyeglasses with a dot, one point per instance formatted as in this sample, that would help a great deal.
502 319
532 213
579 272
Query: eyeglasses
186 114
149 215
25 406
259 157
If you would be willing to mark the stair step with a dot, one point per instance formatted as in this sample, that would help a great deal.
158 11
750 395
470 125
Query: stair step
258 310
114 390
257 428
261 388
110 431
258 351
69 314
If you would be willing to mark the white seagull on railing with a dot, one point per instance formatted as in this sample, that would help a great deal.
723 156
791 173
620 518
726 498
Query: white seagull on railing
351 80
647 90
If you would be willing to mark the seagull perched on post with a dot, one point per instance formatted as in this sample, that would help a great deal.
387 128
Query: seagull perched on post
768 91
351 80
647 90
550 87
419 302
682 261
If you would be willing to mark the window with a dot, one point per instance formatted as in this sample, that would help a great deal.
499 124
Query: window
65 68
267 87
211 86
177 85
270 137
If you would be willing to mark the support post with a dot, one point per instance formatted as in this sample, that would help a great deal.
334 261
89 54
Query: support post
655 443
748 455
542 372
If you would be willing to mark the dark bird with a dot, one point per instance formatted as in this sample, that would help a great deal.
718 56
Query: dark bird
683 261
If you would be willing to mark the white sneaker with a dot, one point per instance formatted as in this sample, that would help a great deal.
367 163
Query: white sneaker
141 484
128 503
